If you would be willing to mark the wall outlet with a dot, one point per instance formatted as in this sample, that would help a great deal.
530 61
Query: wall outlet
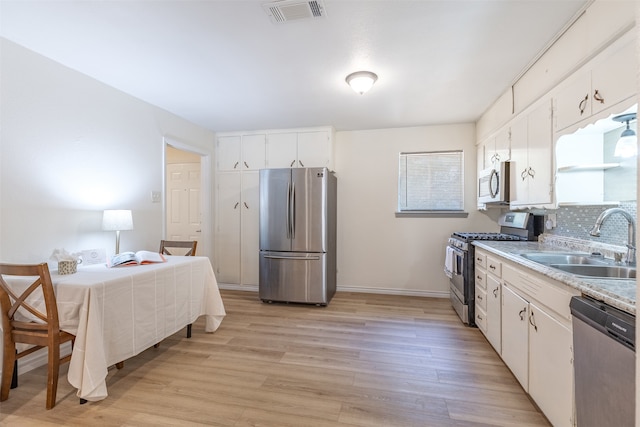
156 196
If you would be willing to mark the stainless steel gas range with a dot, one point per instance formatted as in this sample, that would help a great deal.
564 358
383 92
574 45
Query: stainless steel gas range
460 266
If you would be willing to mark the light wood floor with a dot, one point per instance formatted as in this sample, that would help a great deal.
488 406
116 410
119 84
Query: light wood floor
365 360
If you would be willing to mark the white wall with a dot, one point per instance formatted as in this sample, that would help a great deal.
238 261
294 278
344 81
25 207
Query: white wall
378 252
71 147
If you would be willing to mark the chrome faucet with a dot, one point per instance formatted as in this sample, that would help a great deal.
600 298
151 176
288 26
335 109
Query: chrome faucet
631 241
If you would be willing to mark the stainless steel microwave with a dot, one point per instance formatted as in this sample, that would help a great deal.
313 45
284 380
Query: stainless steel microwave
493 184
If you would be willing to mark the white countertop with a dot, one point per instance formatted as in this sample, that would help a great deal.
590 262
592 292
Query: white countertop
619 293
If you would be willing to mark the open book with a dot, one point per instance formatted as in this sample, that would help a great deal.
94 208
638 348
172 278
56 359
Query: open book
136 258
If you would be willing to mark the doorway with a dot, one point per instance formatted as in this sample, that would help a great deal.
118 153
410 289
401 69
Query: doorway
186 193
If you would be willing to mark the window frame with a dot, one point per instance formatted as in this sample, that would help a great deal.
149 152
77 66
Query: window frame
432 212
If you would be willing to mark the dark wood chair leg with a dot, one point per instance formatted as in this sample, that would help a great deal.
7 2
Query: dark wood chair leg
120 365
14 377
189 330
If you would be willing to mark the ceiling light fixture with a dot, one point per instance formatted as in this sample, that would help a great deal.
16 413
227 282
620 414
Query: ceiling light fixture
627 145
361 81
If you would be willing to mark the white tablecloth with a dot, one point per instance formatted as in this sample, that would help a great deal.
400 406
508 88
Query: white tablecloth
117 313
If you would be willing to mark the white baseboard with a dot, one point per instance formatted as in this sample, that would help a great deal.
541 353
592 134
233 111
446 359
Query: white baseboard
383 291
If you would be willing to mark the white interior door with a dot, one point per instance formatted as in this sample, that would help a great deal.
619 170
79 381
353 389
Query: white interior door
183 201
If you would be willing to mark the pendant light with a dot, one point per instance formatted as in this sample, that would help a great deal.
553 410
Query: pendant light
361 81
627 145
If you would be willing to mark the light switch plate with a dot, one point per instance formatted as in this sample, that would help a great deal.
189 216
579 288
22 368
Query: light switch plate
156 196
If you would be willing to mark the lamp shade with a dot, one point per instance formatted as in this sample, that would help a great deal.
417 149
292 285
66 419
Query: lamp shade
117 220
361 81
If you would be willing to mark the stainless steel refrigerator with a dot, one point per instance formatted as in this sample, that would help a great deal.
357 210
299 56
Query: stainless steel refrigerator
297 235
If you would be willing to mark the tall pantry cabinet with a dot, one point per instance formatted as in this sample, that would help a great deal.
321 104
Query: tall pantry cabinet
239 158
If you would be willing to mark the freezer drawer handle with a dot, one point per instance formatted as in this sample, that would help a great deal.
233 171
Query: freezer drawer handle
313 258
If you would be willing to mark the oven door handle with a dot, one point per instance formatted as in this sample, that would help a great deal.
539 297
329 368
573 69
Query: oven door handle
458 253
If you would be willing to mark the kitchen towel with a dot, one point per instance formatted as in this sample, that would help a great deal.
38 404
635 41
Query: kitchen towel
448 262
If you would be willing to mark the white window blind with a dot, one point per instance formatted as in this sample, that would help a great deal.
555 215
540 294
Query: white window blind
431 181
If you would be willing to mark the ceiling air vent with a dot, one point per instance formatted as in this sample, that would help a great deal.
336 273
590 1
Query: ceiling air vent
292 10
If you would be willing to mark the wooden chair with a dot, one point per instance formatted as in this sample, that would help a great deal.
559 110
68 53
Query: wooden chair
23 323
190 245
181 244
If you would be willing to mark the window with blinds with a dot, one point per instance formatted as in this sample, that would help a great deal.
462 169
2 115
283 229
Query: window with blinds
431 181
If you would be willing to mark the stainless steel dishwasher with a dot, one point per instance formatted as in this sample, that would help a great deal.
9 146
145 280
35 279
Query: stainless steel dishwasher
604 364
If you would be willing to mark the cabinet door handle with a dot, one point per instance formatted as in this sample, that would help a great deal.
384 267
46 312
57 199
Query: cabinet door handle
245 205
532 321
495 291
522 312
583 104
598 97
301 164
236 165
246 165
480 297
523 174
292 163
497 158
479 317
531 172
236 205
491 266
479 277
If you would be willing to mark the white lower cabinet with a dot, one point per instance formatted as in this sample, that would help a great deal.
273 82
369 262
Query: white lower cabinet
537 340
494 309
515 335
228 227
488 270
237 237
551 366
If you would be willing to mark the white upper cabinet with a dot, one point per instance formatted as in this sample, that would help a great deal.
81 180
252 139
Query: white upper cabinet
597 87
253 152
302 149
228 153
496 149
282 150
531 157
314 149
241 152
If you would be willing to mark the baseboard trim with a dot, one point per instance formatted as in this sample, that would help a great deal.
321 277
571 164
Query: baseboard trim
357 289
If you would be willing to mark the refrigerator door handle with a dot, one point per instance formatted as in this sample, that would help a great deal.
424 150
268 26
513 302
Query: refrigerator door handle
288 215
312 258
293 211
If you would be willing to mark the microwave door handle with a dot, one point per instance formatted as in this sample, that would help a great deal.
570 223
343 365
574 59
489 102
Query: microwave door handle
494 175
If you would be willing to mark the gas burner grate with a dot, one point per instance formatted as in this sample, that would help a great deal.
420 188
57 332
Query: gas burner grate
487 236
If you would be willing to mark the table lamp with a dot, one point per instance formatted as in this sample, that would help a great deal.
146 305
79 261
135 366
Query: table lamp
117 220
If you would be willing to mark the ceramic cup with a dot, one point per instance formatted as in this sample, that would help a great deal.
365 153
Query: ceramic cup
68 266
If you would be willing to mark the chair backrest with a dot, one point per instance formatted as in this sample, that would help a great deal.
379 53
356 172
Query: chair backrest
182 244
21 302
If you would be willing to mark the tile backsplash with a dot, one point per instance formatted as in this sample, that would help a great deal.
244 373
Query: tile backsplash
577 221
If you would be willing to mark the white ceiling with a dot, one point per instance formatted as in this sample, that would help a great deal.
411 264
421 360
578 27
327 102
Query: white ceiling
225 66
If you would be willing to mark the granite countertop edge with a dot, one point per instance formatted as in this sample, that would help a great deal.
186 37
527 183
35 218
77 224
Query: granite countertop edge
619 293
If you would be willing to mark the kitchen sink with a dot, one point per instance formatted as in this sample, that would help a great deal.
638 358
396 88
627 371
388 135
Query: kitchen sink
583 264
603 271
558 258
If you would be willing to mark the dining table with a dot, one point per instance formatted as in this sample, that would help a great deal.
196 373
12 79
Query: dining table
118 312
